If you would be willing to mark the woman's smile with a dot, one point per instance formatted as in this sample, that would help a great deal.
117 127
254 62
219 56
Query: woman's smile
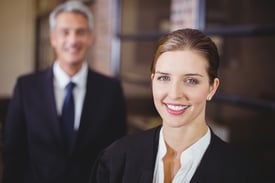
176 109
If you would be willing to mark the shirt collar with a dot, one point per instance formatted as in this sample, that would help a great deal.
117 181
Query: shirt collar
162 146
62 78
196 149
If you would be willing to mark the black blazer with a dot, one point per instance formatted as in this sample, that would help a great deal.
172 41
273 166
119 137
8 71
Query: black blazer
132 159
34 148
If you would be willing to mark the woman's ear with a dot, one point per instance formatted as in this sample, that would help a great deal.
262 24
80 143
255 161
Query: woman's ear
152 76
213 88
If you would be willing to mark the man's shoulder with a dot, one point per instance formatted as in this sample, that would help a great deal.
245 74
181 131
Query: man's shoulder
36 75
103 82
92 74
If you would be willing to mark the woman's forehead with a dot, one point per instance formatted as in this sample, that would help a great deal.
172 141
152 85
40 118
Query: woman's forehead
181 61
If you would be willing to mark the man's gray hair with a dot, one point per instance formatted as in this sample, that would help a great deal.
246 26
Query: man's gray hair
71 6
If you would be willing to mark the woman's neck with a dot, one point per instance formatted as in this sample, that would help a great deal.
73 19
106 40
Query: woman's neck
179 139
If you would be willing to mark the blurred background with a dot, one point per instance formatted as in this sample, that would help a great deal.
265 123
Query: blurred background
243 110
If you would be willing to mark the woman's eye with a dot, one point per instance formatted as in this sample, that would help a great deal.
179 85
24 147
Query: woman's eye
191 81
163 78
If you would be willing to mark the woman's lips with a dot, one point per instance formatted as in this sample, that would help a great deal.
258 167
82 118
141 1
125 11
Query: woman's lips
176 109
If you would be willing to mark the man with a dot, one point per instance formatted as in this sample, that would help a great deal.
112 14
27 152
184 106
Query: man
43 143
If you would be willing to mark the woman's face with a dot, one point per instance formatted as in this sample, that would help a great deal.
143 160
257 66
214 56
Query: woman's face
181 87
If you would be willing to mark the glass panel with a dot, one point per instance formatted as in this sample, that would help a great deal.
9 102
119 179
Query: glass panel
140 16
136 58
235 12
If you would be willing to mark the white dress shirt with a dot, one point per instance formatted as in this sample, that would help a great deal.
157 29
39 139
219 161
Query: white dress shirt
61 79
189 159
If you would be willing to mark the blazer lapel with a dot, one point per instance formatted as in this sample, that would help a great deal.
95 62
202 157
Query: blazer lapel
210 165
146 177
148 172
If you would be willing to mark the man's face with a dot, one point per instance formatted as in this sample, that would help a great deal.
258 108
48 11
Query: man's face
71 39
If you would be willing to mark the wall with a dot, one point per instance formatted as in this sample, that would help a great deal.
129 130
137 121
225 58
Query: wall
247 71
100 57
16 42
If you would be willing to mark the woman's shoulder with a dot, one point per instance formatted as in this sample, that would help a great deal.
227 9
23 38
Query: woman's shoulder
225 148
231 159
133 142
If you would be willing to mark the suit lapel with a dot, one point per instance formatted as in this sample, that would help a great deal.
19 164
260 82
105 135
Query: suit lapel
87 129
48 93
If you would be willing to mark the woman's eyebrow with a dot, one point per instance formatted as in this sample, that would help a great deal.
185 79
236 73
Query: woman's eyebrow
193 74
159 72
189 74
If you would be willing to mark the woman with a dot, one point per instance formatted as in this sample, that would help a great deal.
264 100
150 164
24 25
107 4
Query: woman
183 148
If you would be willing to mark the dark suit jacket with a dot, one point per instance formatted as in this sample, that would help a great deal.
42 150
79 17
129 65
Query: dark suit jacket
34 148
132 159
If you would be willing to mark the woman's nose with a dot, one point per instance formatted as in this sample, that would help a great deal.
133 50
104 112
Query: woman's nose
176 90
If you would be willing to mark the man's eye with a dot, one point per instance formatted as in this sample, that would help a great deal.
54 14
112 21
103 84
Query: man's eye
81 32
64 32
163 78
